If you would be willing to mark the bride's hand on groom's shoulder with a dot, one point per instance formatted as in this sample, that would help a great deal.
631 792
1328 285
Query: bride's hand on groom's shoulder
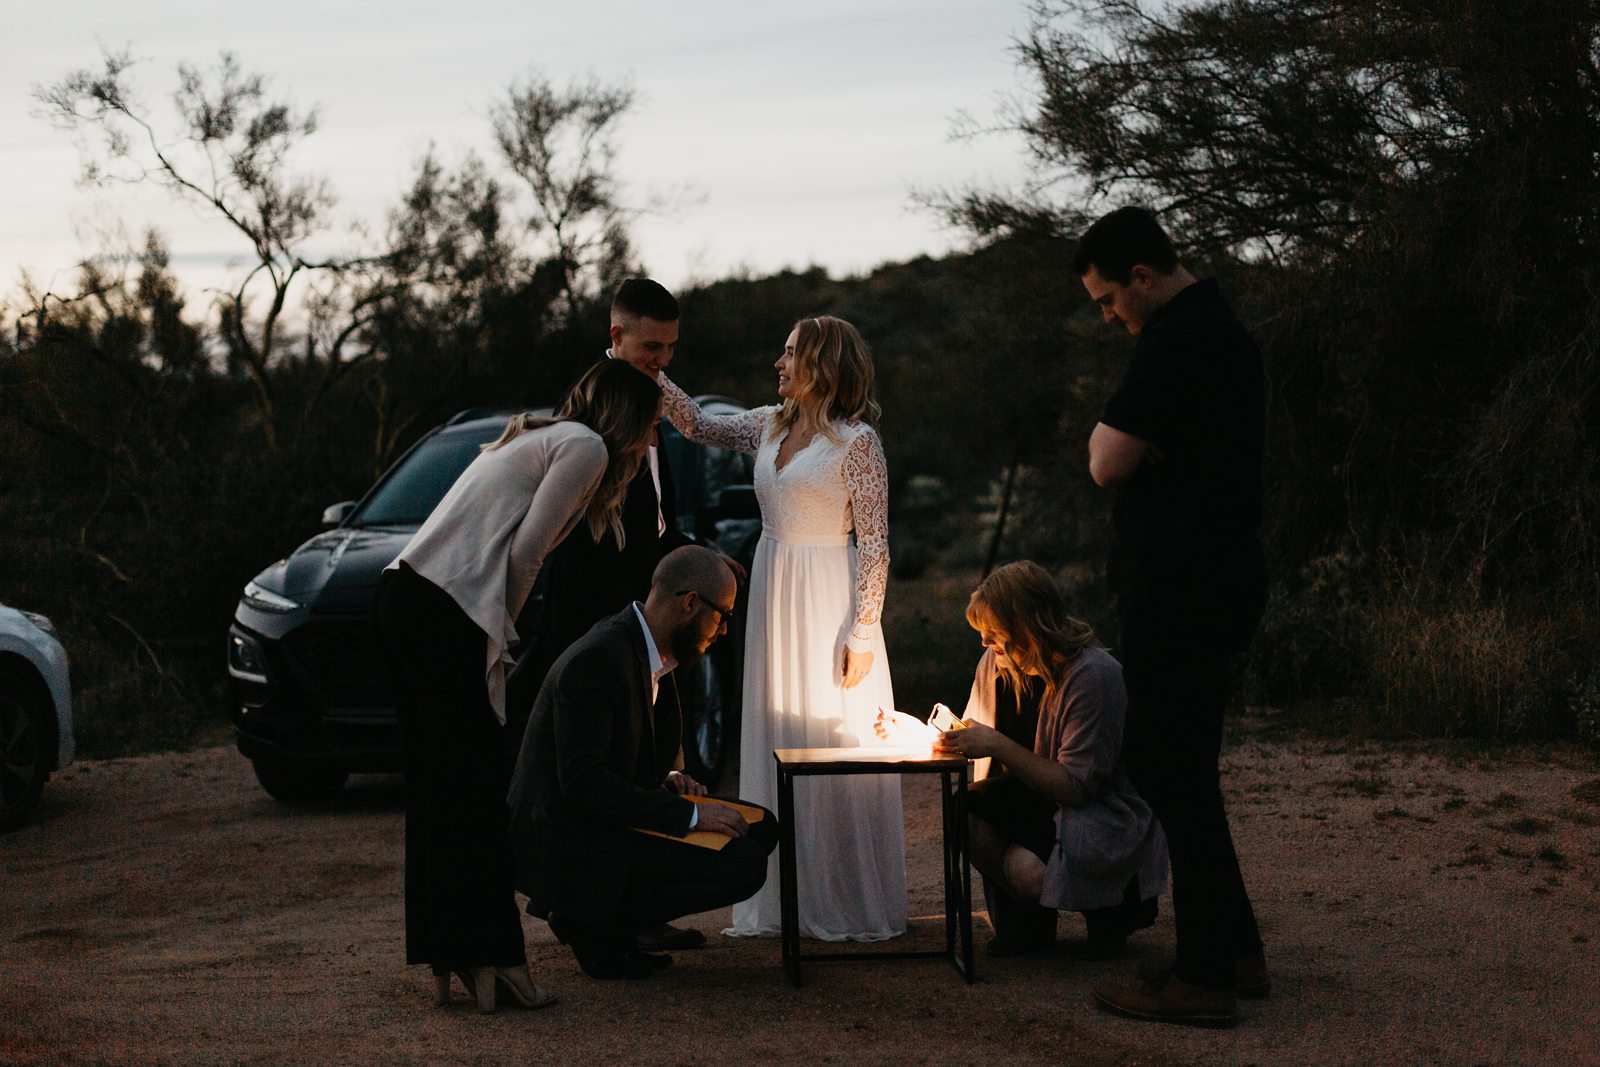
856 667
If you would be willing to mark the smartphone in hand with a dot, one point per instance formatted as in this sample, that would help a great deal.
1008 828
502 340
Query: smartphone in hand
942 719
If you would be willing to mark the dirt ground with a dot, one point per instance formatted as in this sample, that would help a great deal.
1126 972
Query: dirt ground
1419 906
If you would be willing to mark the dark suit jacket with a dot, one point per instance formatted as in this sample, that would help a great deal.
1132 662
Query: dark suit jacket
591 766
588 580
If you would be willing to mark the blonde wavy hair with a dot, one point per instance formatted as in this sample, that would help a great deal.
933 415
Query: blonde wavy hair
839 373
1024 608
621 405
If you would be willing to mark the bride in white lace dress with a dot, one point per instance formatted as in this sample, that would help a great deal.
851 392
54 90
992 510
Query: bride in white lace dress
815 669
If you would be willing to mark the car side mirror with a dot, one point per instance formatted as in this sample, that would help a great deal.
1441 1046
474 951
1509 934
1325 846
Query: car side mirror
335 514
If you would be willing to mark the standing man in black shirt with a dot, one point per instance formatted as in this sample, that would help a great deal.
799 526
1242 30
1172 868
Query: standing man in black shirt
1182 442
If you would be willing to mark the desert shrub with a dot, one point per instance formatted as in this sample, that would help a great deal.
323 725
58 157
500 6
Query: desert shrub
1303 649
1461 669
909 556
920 526
932 650
1584 703
1421 650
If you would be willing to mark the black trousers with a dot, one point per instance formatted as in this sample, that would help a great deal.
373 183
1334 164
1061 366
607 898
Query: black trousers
460 911
1177 640
670 879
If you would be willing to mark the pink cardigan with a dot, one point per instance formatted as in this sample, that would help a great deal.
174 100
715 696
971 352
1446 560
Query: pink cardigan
1106 833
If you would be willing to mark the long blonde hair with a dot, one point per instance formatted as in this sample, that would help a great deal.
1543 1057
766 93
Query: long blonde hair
1025 604
840 376
621 405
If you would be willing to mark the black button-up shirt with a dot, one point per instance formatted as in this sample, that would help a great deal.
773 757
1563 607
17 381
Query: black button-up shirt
1196 389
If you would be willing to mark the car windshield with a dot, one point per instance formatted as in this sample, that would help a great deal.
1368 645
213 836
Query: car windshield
412 489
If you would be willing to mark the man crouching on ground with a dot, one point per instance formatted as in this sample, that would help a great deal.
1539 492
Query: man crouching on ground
598 764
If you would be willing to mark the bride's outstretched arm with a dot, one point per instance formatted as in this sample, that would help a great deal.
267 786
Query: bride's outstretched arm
866 474
741 432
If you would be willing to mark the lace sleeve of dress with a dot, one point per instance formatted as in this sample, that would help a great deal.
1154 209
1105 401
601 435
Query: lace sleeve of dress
866 475
742 432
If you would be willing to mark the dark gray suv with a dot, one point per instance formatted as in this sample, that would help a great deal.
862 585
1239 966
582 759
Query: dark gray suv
310 696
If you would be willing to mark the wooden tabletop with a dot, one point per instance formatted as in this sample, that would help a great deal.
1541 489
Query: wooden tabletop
864 760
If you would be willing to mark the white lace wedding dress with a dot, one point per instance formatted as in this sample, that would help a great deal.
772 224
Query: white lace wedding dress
812 590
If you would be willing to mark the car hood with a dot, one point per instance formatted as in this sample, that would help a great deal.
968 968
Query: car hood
337 565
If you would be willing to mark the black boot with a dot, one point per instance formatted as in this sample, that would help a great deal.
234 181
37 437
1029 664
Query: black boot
1108 928
1020 927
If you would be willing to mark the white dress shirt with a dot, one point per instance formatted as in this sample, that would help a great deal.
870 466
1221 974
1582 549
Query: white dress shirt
659 667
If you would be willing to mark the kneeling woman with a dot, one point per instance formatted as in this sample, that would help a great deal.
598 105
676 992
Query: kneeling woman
1054 826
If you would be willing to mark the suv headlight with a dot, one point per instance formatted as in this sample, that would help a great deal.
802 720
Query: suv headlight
266 600
245 658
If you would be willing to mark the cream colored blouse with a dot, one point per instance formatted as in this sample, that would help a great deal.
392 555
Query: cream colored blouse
487 539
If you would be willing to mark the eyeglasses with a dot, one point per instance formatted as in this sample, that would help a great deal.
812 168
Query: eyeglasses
724 615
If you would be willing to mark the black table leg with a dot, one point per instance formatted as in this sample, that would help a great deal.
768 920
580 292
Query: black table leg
964 885
952 896
957 948
788 881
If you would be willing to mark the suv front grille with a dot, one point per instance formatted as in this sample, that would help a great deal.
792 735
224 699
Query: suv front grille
338 660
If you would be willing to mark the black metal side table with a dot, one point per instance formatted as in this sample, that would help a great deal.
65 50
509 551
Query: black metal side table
794 762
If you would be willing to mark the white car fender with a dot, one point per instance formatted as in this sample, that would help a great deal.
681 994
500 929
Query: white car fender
20 636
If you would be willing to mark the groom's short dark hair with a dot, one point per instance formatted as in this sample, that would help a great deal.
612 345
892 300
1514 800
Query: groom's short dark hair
642 297
1122 240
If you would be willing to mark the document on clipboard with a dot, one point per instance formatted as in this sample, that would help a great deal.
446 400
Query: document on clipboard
709 838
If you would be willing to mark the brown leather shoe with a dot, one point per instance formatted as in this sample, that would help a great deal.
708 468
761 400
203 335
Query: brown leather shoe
1169 1000
1250 978
1155 970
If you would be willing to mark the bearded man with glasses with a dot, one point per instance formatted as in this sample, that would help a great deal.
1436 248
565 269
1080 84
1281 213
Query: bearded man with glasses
601 761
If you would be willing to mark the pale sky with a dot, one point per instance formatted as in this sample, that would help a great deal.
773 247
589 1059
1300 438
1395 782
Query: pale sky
789 134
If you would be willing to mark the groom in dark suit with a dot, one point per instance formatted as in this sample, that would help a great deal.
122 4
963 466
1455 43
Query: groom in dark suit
598 763
588 579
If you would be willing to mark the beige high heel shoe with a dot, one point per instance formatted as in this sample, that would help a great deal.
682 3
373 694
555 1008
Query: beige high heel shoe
518 986
479 983
487 984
